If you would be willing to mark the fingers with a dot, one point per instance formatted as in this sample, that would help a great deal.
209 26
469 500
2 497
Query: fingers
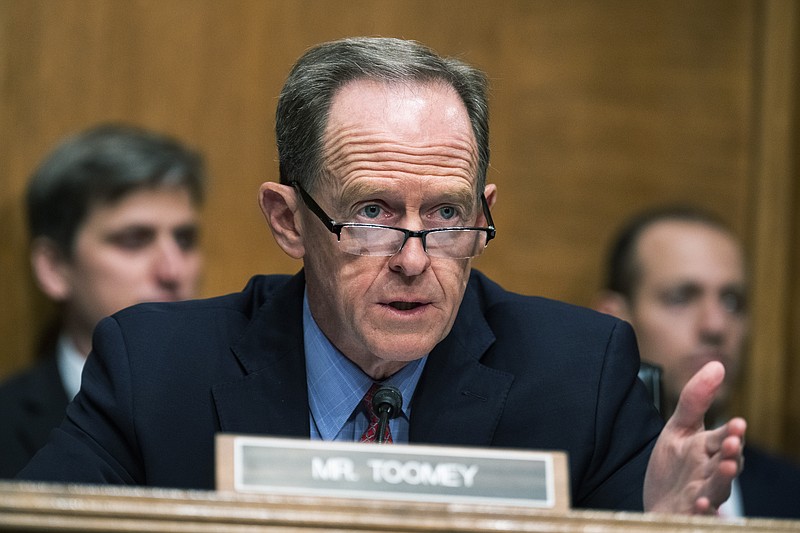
724 447
728 442
724 440
737 426
732 447
691 469
719 489
697 396
703 506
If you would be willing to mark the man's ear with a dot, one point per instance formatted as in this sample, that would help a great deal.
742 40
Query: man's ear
280 206
612 303
51 268
490 192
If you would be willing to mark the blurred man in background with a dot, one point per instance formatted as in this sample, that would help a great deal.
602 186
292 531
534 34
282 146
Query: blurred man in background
678 275
113 218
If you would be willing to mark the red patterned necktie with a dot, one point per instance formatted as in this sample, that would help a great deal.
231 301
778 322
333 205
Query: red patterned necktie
370 435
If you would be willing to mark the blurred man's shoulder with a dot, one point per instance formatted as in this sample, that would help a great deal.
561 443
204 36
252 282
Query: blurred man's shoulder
498 300
259 290
770 484
42 372
762 463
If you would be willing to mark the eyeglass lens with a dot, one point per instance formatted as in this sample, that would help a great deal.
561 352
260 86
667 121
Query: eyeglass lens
378 241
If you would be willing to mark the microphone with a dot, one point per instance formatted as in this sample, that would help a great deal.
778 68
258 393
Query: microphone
386 402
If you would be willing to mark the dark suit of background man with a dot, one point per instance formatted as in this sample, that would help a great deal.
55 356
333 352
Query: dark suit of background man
678 275
383 149
113 221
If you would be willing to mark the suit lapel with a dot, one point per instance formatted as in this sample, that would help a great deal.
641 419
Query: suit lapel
272 396
459 400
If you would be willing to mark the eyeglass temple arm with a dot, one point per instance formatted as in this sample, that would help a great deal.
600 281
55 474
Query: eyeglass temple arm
489 222
316 209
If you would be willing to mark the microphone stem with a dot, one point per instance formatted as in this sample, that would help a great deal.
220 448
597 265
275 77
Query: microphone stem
382 421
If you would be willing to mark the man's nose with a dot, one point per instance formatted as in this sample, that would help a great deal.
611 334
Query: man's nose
714 320
170 263
411 260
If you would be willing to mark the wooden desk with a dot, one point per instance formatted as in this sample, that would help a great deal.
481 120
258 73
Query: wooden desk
51 507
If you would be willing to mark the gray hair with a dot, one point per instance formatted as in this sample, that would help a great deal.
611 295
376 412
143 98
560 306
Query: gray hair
305 101
101 166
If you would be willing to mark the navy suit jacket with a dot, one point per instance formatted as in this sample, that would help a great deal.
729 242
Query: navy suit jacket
32 403
770 485
515 371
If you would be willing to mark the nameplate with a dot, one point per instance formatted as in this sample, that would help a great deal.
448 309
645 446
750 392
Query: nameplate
394 471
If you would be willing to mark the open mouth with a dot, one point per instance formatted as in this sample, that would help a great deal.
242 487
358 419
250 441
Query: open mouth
405 306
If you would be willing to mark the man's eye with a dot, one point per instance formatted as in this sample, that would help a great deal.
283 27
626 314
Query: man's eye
371 211
187 238
134 239
734 303
448 212
678 297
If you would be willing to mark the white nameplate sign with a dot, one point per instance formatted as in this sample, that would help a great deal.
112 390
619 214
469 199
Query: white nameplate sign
395 471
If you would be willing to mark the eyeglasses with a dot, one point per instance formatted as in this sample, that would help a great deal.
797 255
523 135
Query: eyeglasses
378 240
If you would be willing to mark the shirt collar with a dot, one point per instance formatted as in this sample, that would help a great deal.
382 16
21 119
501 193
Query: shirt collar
70 365
336 385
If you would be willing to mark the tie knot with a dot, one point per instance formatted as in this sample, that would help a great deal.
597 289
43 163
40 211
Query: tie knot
371 433
368 396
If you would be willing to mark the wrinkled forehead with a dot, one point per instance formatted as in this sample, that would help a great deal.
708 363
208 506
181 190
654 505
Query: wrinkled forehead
378 124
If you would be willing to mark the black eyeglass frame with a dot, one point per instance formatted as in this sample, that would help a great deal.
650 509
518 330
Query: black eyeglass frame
336 227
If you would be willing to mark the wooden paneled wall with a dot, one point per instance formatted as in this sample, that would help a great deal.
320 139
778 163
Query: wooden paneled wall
599 109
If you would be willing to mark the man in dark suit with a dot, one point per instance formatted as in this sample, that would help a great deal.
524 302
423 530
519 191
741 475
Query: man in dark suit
383 149
113 218
32 403
678 275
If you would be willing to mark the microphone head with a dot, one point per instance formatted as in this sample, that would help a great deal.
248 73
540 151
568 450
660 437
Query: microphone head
387 399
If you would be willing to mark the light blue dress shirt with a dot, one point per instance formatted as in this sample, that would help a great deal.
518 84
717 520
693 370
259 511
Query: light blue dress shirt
336 387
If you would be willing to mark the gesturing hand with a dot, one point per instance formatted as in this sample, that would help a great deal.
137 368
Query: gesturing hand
691 468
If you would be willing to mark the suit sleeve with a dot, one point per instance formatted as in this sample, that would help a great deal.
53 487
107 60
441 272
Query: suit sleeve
626 427
97 441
